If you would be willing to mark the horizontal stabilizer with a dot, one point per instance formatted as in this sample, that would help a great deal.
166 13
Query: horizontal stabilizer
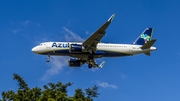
147 53
102 64
148 44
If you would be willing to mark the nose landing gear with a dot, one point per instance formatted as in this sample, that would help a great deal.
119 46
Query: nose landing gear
48 58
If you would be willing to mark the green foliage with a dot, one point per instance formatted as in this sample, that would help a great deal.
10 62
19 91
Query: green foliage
50 92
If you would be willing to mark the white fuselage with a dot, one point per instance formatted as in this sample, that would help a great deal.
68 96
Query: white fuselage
103 49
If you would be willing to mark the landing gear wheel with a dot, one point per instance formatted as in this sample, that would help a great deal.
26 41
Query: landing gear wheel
90 66
47 60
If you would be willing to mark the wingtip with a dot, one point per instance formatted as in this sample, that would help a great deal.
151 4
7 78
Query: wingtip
102 64
111 18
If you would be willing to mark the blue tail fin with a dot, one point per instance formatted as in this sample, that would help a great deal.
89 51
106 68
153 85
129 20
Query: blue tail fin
144 37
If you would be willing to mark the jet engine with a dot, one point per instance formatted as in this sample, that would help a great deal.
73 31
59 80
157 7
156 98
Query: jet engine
76 48
74 62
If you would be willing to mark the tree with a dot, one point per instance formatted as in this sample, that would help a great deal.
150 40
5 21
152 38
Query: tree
50 92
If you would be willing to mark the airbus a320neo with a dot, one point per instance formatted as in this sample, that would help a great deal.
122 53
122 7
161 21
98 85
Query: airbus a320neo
92 48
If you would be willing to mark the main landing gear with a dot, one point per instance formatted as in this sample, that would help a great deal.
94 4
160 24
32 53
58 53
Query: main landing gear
89 66
48 59
91 57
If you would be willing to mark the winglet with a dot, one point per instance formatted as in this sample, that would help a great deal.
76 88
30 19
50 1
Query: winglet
111 18
102 64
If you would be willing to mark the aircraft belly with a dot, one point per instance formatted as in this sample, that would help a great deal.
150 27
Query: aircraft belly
115 54
98 54
64 52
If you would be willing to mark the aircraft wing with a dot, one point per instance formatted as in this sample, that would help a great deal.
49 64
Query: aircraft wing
94 39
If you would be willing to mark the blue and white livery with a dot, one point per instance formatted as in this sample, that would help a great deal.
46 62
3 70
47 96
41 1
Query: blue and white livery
87 51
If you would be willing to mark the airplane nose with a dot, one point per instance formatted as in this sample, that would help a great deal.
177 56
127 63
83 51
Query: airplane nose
34 50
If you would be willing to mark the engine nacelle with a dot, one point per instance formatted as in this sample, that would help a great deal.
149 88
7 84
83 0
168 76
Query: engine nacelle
76 48
74 62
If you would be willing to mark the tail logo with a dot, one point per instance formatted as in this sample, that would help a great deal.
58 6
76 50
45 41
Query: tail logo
145 37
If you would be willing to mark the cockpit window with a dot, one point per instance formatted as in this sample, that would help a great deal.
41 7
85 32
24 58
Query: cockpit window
41 44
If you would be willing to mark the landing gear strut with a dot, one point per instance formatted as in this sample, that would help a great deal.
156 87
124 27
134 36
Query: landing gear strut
91 57
48 59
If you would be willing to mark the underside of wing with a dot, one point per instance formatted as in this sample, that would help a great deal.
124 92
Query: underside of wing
94 39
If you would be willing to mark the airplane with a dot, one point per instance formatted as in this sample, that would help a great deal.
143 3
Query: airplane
92 48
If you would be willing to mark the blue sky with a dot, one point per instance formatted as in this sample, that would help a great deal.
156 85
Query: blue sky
26 23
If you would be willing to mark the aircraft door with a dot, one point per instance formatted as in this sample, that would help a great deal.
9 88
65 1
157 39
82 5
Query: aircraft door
130 49
48 46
